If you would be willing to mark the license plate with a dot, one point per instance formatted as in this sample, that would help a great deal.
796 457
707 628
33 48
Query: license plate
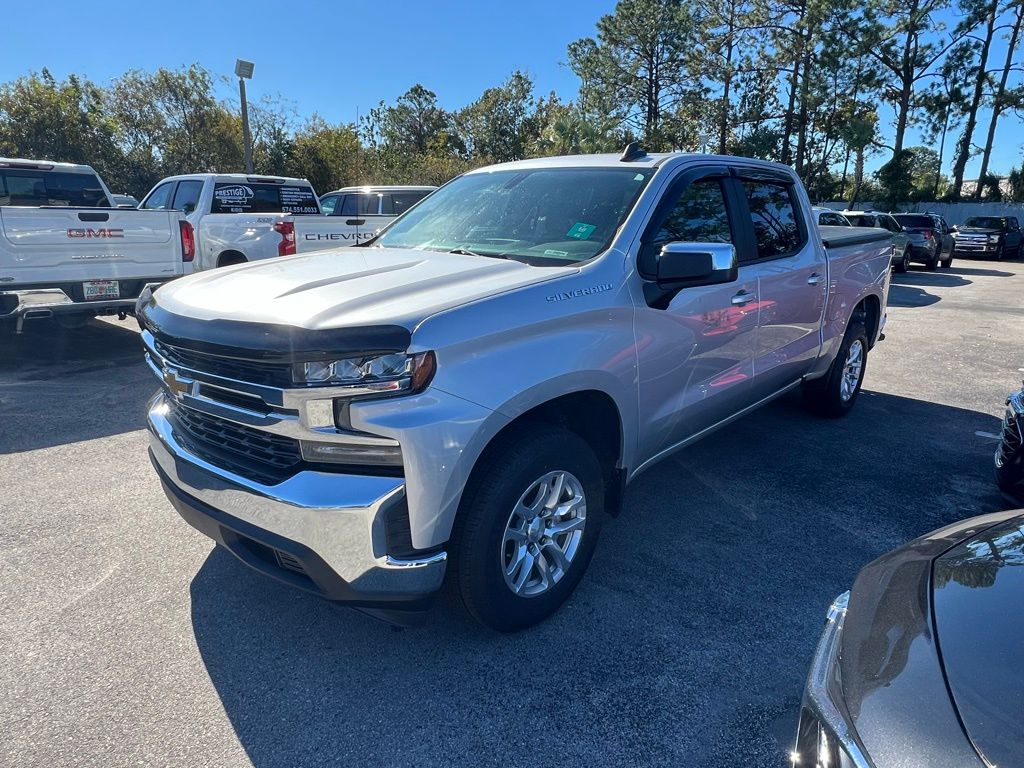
101 289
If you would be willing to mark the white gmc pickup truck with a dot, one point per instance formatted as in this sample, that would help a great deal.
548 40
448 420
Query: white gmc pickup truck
66 252
468 394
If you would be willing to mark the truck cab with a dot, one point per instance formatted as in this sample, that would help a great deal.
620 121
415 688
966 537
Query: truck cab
468 394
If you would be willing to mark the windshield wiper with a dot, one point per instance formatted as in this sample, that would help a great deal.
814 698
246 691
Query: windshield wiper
466 252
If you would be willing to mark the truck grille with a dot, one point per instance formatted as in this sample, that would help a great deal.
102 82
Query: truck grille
260 456
972 239
277 375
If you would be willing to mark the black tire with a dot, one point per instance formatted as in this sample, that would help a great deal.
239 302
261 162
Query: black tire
933 261
1000 253
504 473
825 396
947 262
902 264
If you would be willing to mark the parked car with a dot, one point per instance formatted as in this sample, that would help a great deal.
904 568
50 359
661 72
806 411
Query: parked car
237 218
828 218
903 253
358 213
124 201
479 382
920 662
995 237
1009 457
66 252
930 239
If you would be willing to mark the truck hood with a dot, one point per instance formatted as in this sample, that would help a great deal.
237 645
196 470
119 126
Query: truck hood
347 288
978 231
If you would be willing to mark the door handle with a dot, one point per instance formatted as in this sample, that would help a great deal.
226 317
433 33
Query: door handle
742 298
355 222
814 279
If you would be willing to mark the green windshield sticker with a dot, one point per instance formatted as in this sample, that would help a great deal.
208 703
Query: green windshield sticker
580 231
552 252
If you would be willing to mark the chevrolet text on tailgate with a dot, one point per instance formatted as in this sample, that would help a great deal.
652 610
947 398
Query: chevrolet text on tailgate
66 252
468 394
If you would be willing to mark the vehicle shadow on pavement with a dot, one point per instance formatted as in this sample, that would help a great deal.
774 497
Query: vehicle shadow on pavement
958 269
62 386
687 642
910 296
938 279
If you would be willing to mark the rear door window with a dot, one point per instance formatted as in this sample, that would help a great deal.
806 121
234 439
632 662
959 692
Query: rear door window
361 205
186 198
397 203
39 187
774 218
250 197
160 198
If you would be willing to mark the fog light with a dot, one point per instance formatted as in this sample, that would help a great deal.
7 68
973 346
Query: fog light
382 455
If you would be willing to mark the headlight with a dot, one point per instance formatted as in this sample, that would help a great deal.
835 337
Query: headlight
380 374
994 238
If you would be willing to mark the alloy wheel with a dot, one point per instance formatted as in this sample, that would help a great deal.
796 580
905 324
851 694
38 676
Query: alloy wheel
543 533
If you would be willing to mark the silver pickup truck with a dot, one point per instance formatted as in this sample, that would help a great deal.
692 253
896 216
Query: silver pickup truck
468 394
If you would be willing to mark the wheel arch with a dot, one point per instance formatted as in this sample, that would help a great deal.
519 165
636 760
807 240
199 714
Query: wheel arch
593 414
230 257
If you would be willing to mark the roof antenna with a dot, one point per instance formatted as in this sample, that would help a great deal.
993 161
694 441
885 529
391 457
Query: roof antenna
633 151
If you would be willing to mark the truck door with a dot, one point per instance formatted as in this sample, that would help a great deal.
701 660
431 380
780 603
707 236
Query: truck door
695 348
789 264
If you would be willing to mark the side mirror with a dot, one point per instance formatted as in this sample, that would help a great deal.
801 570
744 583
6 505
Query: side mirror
687 265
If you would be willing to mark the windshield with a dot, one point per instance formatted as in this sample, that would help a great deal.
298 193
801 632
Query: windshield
921 222
986 222
544 216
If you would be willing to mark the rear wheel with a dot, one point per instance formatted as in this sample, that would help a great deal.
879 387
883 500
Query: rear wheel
529 522
903 262
834 394
948 261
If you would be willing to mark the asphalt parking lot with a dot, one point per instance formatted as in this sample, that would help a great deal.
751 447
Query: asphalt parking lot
127 639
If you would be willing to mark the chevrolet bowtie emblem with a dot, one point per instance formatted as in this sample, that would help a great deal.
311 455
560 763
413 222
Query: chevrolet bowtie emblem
178 387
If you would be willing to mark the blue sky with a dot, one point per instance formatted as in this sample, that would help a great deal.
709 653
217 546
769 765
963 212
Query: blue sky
339 57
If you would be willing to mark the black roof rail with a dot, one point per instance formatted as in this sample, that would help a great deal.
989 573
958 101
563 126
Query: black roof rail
633 151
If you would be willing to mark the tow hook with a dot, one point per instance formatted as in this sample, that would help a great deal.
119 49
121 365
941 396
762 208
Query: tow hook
122 315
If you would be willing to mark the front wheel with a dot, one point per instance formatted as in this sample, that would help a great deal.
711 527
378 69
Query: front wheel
834 394
528 525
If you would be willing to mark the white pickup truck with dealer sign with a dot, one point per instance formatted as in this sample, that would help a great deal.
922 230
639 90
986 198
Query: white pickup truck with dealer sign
240 218
67 252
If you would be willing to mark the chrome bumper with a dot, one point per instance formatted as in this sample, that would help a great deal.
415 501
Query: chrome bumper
333 520
823 722
44 302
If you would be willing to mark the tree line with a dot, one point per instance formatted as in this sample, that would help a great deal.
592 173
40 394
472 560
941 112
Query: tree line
801 82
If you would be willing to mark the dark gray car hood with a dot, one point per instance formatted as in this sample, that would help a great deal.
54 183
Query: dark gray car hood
978 593
893 648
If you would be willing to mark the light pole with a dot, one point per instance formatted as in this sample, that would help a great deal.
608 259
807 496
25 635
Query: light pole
244 71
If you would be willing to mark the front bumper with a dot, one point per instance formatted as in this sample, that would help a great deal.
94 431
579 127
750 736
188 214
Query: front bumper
321 532
46 301
825 736
976 249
